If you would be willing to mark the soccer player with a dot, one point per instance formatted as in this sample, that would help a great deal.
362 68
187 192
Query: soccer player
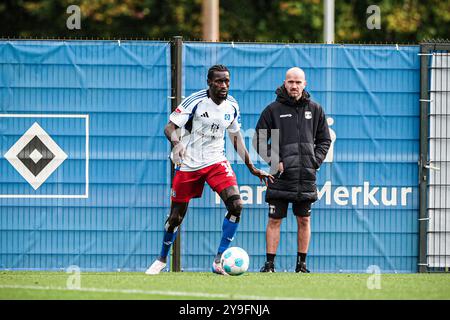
198 154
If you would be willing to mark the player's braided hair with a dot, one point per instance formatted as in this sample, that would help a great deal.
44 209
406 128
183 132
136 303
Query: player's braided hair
216 67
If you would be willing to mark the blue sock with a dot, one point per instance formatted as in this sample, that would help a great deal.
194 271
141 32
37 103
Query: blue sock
168 239
228 231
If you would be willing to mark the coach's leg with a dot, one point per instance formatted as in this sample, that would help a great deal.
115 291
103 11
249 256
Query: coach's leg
303 234
277 212
176 216
303 237
302 211
233 203
273 236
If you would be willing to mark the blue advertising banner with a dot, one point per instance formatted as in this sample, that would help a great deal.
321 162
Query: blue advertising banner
83 158
85 178
368 185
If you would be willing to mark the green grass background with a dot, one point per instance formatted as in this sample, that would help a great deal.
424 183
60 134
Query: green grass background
198 286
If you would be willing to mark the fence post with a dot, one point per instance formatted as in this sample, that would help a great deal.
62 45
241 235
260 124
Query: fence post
176 76
423 159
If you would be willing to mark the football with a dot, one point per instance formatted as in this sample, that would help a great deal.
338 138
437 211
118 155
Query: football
235 261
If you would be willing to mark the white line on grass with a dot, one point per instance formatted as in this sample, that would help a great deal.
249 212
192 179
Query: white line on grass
152 292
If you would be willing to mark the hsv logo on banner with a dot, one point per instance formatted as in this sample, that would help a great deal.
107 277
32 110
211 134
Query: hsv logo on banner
45 151
35 156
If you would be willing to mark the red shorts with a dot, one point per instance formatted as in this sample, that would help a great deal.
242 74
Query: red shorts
189 184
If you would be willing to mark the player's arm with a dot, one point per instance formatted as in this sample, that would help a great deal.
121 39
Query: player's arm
241 149
262 138
234 131
177 119
172 133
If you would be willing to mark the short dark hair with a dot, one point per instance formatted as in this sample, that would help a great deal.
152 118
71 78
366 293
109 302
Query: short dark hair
216 67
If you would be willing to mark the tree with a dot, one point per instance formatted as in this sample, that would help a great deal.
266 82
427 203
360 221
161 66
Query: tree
401 21
258 20
102 18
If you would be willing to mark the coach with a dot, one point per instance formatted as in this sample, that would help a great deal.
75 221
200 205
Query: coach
299 125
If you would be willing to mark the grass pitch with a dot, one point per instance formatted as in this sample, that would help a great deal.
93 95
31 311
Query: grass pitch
207 286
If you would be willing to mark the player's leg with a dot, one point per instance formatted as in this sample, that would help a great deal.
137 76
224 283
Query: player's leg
222 180
277 211
185 186
176 216
302 211
233 203
232 199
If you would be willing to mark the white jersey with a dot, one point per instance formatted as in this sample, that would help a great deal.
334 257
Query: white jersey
203 124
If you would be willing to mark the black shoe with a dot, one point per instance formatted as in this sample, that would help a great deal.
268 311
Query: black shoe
301 267
268 267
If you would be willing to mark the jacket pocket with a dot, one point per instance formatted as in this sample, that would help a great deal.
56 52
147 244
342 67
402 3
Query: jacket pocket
315 162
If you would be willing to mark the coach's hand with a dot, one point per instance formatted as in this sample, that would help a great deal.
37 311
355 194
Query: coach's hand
178 153
262 175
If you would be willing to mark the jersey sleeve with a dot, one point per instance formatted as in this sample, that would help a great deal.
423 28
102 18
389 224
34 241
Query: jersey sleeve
186 109
235 125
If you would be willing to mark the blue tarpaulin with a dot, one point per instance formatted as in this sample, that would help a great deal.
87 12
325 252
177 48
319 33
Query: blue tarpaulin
104 104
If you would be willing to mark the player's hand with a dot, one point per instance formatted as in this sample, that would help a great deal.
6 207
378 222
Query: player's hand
280 168
262 175
178 152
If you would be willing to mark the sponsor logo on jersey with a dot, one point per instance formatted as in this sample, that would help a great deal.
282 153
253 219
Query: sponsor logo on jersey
308 115
285 115
214 127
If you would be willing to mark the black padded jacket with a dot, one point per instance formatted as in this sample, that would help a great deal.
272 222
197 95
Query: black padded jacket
304 140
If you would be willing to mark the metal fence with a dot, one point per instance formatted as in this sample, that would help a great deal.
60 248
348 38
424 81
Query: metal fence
121 94
435 157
